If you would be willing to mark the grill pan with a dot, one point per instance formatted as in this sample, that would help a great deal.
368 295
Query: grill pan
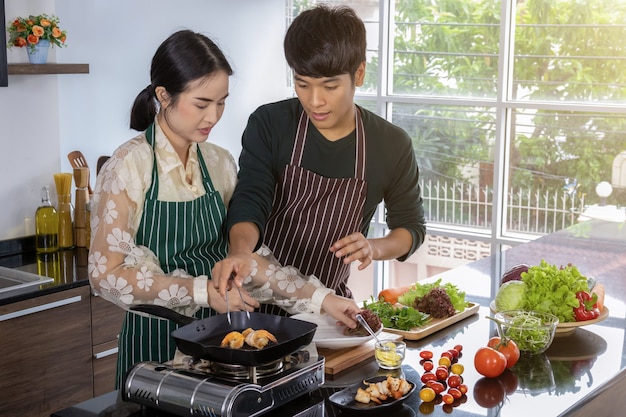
201 338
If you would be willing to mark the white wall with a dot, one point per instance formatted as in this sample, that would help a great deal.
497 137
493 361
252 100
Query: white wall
44 117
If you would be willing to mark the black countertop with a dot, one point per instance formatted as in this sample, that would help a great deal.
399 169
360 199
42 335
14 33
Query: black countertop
580 374
68 269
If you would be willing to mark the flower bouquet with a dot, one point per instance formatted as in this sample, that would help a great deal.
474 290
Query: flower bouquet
33 29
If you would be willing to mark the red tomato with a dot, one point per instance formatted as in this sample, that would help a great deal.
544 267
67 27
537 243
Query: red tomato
489 362
463 388
488 392
447 354
455 381
428 365
455 392
426 354
441 373
428 376
447 398
508 348
437 386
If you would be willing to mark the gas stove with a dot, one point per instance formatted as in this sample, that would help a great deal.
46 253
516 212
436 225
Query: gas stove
202 388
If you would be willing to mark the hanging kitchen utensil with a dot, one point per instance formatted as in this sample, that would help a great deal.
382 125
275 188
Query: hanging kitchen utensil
77 160
201 338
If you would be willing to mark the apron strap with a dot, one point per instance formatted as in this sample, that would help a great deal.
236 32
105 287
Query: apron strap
303 127
153 191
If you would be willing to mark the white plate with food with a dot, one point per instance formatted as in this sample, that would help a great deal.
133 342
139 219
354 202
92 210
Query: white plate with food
329 334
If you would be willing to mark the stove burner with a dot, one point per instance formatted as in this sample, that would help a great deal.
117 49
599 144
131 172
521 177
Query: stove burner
245 373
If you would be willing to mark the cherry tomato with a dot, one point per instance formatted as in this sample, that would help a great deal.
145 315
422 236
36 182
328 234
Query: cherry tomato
508 348
454 381
427 394
447 398
488 392
454 353
458 348
447 354
442 373
455 392
428 366
463 388
426 354
443 361
428 376
457 369
489 362
437 386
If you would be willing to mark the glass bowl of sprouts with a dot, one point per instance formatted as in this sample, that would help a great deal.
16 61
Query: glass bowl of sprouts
532 331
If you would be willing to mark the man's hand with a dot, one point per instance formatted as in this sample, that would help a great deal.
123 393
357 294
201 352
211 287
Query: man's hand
354 247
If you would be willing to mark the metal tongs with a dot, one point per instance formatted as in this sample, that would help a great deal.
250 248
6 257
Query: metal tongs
367 327
232 276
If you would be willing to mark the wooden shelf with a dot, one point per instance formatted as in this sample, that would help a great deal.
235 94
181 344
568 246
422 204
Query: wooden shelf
26 69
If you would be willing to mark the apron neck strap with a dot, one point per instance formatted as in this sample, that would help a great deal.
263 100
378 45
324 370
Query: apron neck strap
153 191
301 132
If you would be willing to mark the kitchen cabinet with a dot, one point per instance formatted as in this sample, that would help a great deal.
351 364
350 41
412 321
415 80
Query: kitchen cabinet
46 353
106 322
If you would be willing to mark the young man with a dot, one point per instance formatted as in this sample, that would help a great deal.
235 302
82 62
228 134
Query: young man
314 169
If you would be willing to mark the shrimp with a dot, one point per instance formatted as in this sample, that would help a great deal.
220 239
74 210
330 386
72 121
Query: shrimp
233 340
259 338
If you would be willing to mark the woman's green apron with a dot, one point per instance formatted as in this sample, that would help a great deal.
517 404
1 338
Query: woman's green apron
186 235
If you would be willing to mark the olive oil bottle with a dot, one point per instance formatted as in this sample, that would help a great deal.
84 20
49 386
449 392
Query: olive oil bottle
46 225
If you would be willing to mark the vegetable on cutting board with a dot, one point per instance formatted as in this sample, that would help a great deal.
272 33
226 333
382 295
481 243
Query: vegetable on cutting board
391 295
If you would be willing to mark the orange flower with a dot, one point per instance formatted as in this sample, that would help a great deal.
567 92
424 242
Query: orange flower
38 31
56 32
19 42
63 38
30 22
45 22
32 39
20 28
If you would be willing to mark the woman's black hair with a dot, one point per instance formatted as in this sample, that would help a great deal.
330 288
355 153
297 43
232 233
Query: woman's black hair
183 57
325 41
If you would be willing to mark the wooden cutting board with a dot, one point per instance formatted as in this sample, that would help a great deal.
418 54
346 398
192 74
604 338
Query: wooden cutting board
338 360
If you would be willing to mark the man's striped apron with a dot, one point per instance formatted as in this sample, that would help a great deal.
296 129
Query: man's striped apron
311 212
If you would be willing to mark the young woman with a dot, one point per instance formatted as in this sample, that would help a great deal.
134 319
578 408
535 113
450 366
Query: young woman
159 204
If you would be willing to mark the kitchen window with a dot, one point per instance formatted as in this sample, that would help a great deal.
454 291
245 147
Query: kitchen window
516 110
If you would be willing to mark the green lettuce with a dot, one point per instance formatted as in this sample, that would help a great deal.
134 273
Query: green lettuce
553 289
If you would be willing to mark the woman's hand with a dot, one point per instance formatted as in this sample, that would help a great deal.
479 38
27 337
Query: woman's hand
342 309
231 270
354 247
236 302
